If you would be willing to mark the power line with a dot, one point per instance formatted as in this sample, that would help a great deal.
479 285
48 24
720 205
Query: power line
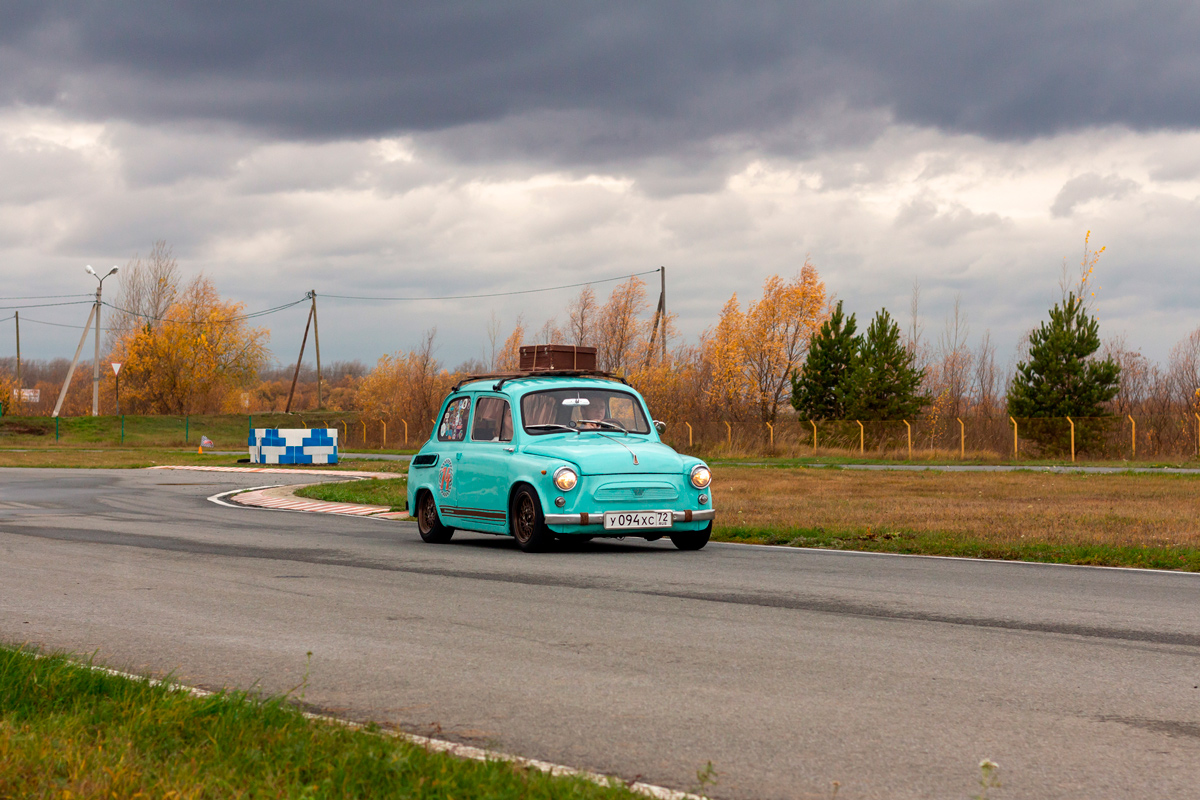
228 320
50 305
59 324
44 296
492 294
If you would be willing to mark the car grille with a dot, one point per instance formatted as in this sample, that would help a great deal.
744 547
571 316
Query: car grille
612 493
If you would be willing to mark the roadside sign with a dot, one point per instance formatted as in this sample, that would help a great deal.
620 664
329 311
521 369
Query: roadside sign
116 368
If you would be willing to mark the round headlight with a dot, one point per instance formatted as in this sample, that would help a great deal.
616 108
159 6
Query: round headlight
701 477
565 478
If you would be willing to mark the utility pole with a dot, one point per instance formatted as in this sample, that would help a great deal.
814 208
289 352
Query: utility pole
296 375
660 316
96 361
20 386
95 312
662 305
317 343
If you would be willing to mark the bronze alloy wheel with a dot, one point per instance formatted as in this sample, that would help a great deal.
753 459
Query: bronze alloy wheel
528 524
429 524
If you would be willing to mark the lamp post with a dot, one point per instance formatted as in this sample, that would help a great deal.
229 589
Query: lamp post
96 362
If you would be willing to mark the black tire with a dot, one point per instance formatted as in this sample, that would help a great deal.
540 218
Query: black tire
429 524
528 523
692 540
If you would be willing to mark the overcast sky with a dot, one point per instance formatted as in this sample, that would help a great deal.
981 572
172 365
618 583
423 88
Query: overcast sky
425 149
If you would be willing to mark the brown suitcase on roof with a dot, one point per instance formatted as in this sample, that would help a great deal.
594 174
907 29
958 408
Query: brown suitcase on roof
557 356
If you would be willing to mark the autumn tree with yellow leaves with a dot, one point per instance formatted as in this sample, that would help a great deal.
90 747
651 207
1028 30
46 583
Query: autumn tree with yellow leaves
196 357
406 386
753 354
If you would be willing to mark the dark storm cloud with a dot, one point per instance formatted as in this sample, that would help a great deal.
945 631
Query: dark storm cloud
624 79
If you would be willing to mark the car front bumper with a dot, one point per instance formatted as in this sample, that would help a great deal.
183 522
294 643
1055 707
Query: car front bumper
585 518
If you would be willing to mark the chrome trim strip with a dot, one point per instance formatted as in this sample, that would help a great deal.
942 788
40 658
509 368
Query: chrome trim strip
597 518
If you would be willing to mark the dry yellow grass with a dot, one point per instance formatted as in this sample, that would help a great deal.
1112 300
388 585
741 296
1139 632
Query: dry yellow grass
1119 510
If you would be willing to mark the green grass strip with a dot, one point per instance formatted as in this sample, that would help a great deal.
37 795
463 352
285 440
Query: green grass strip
70 731
390 492
928 543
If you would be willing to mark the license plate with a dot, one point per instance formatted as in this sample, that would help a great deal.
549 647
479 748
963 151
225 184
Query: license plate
636 520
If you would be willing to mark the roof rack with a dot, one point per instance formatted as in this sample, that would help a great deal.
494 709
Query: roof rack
504 377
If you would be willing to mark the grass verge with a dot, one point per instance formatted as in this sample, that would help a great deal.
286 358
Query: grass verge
70 731
935 543
391 492
1129 520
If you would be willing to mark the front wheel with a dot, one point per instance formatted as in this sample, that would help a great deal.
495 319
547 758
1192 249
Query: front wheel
528 522
429 524
692 540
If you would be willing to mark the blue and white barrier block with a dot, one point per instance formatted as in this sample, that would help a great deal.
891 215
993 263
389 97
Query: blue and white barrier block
293 446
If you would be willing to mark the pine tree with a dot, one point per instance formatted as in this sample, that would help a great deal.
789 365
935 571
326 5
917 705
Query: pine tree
820 388
884 384
1061 379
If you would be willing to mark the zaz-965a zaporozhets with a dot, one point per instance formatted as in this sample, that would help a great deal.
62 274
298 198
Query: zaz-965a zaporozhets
567 454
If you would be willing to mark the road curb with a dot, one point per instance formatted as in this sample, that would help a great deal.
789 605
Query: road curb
283 498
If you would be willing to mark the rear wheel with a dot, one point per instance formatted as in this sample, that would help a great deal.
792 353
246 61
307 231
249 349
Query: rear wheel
692 540
429 524
528 522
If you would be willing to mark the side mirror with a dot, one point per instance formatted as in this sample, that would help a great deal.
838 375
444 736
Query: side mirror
659 425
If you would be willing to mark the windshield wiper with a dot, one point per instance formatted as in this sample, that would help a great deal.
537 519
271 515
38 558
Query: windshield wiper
613 425
549 425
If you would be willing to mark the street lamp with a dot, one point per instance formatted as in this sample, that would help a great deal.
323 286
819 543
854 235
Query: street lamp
96 362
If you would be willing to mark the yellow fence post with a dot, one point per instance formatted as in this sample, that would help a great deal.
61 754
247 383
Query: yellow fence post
771 428
909 438
962 439
364 424
405 430
1197 434
1133 437
728 433
1071 422
862 439
689 426
1014 422
384 424
345 430
810 422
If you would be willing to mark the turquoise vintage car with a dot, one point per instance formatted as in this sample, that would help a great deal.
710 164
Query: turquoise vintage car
563 455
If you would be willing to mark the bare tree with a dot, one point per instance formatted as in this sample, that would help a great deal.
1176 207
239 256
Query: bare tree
581 318
493 334
987 377
1138 376
549 332
148 288
954 361
920 359
1184 371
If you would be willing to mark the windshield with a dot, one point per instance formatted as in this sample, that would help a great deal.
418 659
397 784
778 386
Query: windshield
605 410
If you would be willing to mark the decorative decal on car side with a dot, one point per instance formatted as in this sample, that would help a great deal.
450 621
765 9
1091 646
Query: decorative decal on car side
447 478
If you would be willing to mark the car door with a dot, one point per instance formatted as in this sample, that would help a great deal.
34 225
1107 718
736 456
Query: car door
484 467
450 435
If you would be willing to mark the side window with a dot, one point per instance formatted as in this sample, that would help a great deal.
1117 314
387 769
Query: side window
454 422
493 421
622 409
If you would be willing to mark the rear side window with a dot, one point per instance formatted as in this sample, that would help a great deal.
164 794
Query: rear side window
454 422
493 421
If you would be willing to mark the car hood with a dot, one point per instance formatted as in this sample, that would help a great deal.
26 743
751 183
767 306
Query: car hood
600 455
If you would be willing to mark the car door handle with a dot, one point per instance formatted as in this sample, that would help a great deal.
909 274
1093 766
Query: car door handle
510 449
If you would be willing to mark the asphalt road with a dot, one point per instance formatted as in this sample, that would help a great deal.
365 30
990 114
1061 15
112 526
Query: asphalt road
787 669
